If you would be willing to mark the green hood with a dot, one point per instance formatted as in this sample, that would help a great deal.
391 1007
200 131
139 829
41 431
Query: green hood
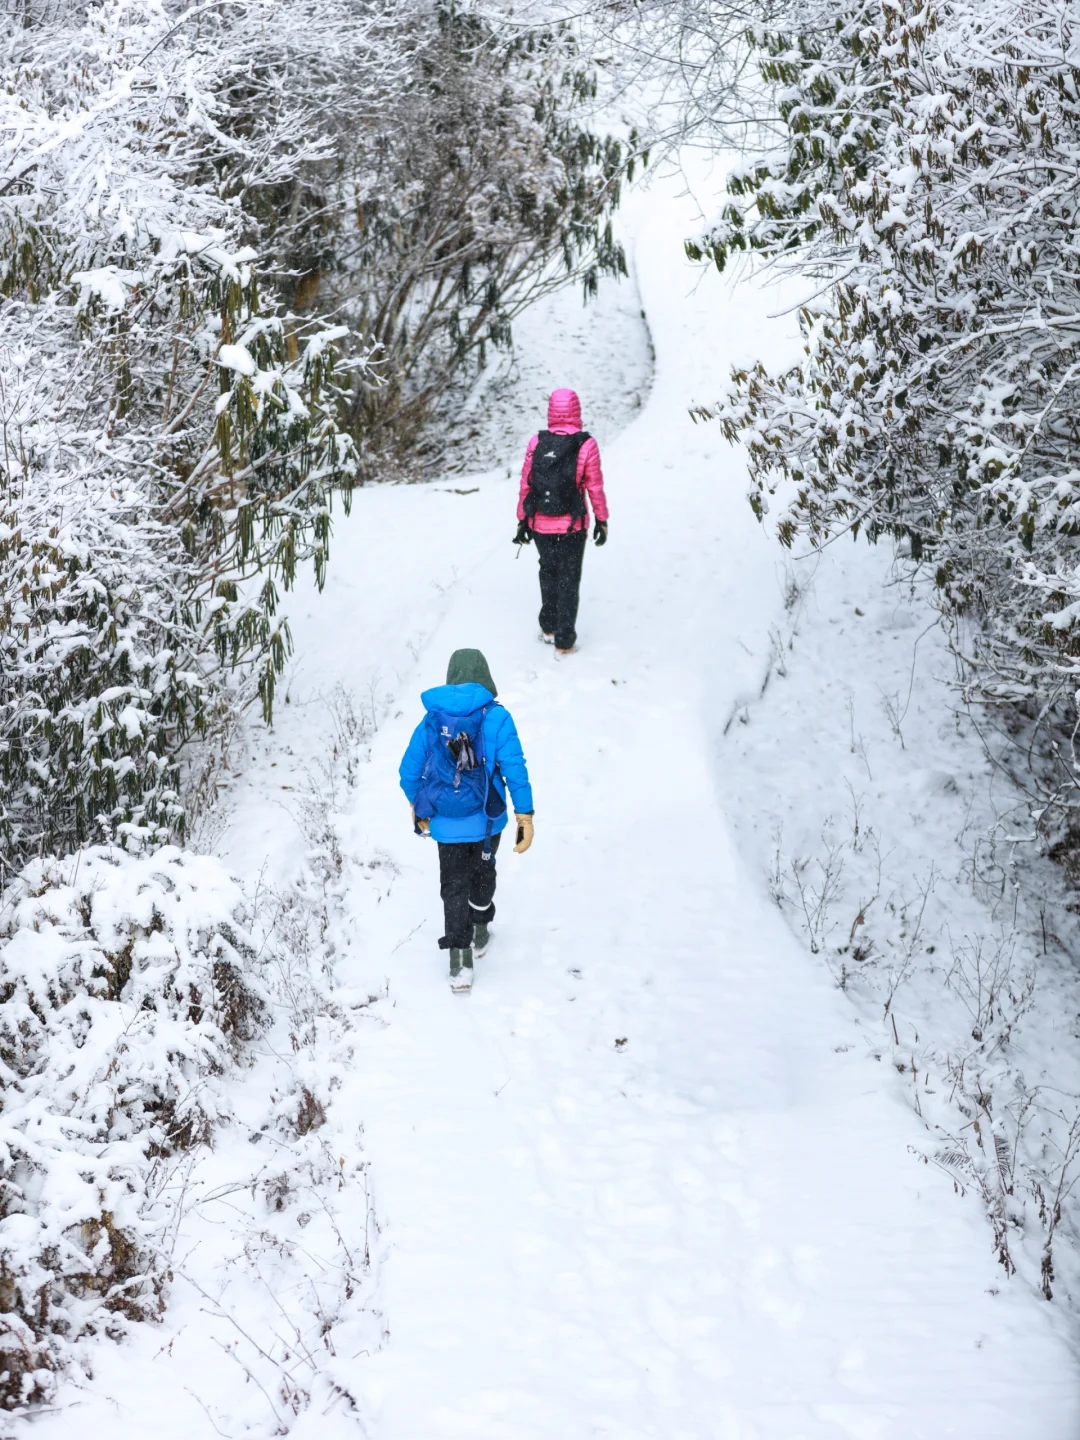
468 667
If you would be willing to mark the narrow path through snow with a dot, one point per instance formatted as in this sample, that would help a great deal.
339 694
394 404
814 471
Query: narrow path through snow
639 1183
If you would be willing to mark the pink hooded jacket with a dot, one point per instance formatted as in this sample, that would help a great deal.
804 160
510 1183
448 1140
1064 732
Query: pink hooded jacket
564 418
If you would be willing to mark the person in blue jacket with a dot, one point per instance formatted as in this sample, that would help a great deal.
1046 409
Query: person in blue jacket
462 758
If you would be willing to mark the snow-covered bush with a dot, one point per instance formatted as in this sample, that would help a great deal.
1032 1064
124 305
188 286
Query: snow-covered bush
168 439
924 184
674 69
476 188
126 988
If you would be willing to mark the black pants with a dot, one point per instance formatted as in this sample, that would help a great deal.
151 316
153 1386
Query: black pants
467 886
560 581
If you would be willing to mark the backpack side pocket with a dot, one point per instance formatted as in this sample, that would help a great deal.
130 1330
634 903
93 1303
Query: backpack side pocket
495 805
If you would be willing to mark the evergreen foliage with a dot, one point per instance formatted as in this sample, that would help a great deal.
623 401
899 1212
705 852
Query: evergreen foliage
168 448
476 186
924 184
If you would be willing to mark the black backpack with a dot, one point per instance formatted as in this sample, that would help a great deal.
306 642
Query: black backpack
553 487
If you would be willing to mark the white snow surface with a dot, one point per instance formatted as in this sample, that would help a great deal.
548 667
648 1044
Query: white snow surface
638 1183
898 846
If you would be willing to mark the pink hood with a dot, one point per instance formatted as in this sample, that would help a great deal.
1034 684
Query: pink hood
564 412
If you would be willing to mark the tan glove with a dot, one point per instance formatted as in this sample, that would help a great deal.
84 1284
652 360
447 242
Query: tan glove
524 833
425 825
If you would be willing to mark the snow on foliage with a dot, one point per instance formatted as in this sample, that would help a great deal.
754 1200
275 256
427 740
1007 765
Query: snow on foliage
153 494
127 990
481 187
925 181
171 1053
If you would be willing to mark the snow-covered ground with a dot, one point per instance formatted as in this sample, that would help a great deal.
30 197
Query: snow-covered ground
904 856
641 1183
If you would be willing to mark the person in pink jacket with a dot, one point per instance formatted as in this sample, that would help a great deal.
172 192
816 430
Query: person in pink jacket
560 480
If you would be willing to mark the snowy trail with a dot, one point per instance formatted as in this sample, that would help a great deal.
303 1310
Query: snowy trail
714 1228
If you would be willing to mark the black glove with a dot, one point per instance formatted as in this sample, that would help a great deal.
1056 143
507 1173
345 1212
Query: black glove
524 534
599 533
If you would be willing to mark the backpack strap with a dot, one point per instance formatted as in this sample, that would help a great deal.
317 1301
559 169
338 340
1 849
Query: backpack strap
529 504
579 512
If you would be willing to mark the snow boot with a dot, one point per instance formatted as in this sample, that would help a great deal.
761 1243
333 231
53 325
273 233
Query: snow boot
461 970
481 938
571 651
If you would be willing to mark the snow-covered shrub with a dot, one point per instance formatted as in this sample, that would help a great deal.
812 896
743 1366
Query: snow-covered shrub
168 439
924 186
126 987
676 70
476 188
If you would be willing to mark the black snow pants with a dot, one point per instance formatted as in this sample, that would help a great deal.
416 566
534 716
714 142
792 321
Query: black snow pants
467 884
560 581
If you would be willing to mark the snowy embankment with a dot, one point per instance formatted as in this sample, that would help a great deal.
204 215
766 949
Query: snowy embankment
641 1182
902 852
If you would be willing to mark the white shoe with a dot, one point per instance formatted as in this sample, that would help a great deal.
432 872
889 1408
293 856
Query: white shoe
547 639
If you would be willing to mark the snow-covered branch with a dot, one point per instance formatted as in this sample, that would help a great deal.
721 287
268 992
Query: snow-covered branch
926 176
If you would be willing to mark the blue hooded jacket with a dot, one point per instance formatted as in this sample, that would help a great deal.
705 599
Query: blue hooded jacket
502 748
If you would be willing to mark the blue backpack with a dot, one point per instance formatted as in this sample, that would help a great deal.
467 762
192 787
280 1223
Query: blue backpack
454 782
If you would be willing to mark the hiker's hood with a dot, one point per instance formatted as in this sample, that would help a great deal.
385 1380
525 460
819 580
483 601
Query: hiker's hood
564 412
469 667
456 699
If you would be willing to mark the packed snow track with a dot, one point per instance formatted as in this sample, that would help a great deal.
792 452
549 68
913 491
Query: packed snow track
644 1182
